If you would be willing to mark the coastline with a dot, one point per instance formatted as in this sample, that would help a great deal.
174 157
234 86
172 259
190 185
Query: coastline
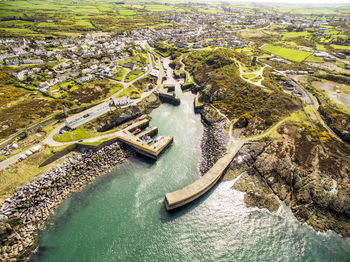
212 146
214 139
31 205
26 211
262 168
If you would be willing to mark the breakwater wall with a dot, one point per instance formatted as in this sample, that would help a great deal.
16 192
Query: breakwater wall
199 187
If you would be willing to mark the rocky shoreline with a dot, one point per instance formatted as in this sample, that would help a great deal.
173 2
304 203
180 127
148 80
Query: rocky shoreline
214 139
294 169
291 168
265 178
25 212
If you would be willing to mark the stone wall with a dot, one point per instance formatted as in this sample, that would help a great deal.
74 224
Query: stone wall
76 147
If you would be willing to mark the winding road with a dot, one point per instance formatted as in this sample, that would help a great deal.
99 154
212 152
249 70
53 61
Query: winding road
104 107
258 73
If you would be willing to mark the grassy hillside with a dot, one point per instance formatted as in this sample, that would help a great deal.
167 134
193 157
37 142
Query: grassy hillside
220 83
71 18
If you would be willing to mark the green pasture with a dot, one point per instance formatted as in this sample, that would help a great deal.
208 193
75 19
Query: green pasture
77 134
158 8
126 12
320 47
345 47
314 59
133 74
295 34
287 53
120 74
210 11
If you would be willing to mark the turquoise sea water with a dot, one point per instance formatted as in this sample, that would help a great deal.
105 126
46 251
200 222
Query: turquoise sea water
121 217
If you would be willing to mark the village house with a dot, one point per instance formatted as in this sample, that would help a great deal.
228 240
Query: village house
339 55
32 61
154 73
11 61
329 59
129 65
83 79
20 75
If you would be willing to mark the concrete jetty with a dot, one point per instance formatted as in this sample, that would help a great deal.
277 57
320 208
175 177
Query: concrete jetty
193 191
153 151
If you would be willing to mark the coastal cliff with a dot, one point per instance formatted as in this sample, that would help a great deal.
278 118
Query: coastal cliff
296 170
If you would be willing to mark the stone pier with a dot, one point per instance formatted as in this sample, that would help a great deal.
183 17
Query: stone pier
193 191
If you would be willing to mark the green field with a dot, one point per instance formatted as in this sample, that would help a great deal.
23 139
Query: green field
77 134
345 47
126 12
314 59
295 34
158 8
120 74
133 74
54 18
287 53
210 11
320 47
248 76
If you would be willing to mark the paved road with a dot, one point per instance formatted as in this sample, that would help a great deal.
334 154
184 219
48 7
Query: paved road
50 141
98 110
312 102
103 108
4 164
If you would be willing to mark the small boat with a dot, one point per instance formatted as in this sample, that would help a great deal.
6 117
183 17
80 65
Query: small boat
147 139
137 130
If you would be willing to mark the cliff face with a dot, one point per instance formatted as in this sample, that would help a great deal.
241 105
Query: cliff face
296 170
337 121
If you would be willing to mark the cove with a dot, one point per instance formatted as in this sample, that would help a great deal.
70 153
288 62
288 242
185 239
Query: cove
121 217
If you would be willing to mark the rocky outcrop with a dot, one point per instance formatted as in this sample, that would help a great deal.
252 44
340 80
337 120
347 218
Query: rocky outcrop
210 115
29 207
258 192
296 169
337 121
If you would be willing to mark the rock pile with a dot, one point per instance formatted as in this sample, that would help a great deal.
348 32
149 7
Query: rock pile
214 139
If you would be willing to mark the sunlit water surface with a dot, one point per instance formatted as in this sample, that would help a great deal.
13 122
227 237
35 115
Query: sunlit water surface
121 217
